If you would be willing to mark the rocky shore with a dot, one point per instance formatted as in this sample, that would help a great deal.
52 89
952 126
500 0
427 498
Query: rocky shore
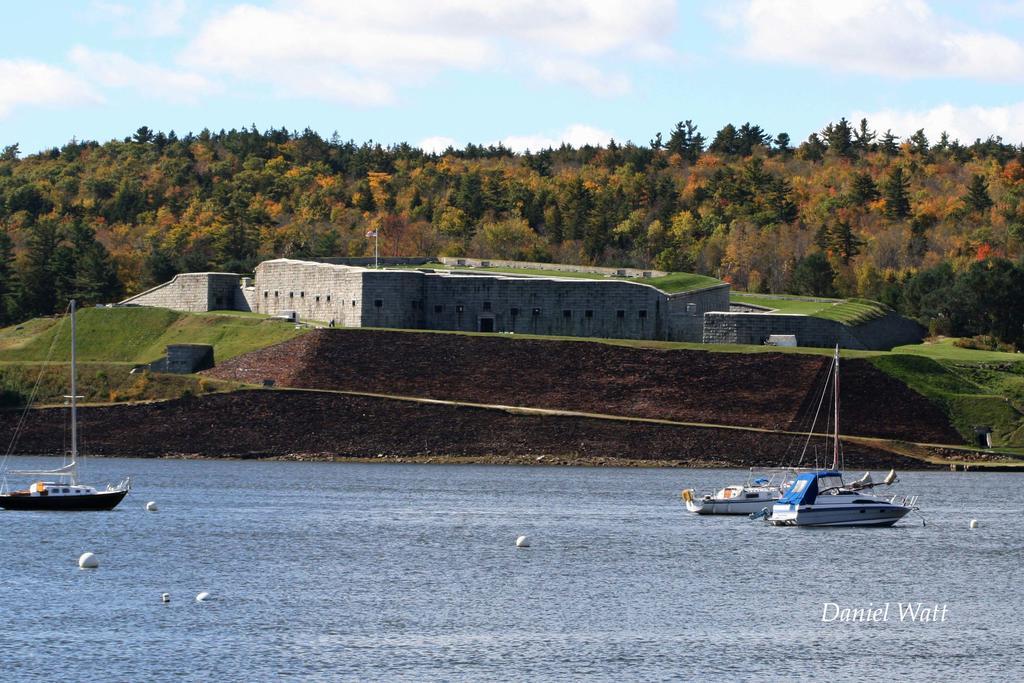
313 425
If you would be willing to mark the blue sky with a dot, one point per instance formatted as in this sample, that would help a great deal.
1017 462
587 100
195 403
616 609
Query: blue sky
526 72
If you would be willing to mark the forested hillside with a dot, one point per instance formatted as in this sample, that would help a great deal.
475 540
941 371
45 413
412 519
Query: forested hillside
932 228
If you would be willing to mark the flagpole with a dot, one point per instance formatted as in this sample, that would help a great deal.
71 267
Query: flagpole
376 251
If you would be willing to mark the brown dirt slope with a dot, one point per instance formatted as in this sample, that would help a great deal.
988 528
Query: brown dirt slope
281 423
768 390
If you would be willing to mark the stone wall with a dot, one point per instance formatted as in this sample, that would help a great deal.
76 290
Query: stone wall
567 307
686 311
192 293
755 328
315 291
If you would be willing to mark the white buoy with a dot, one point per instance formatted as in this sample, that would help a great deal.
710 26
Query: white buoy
151 506
88 561
522 542
165 597
203 597
974 524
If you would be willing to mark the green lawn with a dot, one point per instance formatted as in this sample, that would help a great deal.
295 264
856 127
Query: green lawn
971 394
945 349
853 311
846 311
781 305
678 282
671 283
140 335
97 383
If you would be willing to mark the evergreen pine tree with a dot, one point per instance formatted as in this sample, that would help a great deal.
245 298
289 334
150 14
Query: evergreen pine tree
863 138
843 241
897 197
838 138
7 283
890 144
978 199
864 189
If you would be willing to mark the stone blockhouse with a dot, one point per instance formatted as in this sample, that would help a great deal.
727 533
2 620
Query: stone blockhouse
195 293
482 302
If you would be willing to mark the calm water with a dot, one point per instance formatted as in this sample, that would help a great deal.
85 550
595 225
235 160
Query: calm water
392 572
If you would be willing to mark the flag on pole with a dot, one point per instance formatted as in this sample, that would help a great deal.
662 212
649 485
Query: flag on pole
371 233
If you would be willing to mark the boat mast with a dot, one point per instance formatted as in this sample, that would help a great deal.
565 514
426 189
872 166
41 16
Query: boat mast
836 421
74 402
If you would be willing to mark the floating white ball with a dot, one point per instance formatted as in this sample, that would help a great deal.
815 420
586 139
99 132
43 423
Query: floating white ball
151 506
165 597
203 597
522 542
974 524
88 561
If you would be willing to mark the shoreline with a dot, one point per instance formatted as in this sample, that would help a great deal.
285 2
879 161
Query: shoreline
540 461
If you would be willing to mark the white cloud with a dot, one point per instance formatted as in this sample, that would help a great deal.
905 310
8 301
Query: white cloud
900 38
585 75
24 82
576 135
386 45
437 144
963 123
115 70
157 18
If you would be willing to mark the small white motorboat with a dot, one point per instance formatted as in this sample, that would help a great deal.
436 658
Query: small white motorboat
762 488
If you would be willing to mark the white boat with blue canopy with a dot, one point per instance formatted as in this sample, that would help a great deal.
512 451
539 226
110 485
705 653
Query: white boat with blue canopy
822 498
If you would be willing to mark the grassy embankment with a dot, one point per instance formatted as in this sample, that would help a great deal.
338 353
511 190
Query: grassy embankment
111 341
971 393
846 311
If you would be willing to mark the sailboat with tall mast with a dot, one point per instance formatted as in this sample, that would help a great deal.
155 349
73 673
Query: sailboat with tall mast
822 498
61 490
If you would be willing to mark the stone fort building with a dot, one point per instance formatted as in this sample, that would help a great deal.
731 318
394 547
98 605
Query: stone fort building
462 300
349 294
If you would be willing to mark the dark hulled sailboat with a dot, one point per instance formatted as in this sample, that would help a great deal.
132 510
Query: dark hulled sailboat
62 490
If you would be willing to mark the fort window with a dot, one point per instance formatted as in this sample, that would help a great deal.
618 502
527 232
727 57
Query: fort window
536 311
487 305
691 308
276 294
642 313
379 303
620 313
588 314
567 313
302 295
460 308
328 297
318 298
265 294
438 308
291 295
353 303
